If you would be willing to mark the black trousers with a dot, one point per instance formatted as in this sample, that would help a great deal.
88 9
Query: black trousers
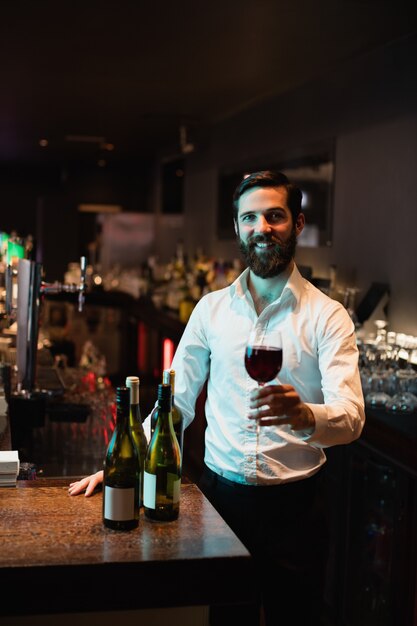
284 528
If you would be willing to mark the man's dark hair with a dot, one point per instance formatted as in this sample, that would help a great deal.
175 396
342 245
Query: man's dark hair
269 178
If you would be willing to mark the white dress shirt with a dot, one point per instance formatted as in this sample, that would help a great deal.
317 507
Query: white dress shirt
320 360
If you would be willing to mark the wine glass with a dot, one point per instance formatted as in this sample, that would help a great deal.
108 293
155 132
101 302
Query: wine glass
403 401
263 359
381 333
377 395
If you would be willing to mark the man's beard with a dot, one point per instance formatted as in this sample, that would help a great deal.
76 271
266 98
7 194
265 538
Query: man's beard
269 262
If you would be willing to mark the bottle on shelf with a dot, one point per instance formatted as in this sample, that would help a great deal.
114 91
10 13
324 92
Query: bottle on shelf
168 378
121 481
333 281
186 305
162 473
135 420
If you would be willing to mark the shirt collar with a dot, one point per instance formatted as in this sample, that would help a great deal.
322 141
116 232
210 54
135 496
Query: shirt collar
293 287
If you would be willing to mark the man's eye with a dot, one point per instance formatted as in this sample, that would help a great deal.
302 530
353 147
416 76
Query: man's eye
275 216
249 217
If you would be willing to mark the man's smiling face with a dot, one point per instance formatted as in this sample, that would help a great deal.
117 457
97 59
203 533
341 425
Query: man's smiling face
266 234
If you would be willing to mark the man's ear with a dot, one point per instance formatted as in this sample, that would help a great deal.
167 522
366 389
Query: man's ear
299 223
236 227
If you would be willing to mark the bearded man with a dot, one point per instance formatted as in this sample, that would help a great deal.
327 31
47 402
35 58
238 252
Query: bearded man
267 482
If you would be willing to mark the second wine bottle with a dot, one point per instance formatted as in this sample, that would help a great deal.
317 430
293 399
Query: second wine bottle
162 473
168 378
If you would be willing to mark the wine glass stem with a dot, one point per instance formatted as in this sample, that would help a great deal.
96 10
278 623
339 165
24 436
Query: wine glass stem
258 426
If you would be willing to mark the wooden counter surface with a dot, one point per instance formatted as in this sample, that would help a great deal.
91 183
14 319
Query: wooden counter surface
56 555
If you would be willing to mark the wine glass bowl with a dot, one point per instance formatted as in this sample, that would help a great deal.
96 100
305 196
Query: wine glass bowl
263 358
263 355
263 363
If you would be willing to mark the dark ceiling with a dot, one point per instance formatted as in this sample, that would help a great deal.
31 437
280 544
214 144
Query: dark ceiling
132 73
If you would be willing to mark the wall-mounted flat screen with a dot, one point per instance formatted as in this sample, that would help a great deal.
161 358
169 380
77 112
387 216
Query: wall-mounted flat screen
312 170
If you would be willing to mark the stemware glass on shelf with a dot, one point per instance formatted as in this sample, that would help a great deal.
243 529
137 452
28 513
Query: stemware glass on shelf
381 333
263 359
377 395
388 372
378 364
404 401
376 375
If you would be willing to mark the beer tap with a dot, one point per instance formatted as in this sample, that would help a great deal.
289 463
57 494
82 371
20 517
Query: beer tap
24 291
10 307
82 287
30 288
57 287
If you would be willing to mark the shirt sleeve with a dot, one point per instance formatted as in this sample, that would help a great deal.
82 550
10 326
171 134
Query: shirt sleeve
340 419
191 363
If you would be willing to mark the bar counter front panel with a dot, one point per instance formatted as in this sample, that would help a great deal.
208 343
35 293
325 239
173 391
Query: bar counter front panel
56 556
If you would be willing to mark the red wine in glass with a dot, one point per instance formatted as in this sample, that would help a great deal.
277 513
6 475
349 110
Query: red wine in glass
263 363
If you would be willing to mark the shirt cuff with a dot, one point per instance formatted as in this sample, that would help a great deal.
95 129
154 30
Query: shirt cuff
320 415
304 434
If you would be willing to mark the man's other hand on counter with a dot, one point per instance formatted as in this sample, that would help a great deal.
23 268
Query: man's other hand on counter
87 484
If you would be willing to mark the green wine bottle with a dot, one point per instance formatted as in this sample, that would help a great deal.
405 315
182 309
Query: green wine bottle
168 378
162 475
133 382
121 481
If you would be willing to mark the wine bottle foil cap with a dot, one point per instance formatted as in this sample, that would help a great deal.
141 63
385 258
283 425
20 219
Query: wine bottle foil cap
132 380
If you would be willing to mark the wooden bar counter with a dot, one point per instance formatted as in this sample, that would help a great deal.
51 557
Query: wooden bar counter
57 557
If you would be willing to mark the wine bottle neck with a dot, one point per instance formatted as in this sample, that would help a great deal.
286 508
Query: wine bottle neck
165 405
122 416
165 423
122 405
134 394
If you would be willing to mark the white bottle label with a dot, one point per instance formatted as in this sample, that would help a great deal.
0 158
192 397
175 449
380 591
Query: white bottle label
149 489
119 504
